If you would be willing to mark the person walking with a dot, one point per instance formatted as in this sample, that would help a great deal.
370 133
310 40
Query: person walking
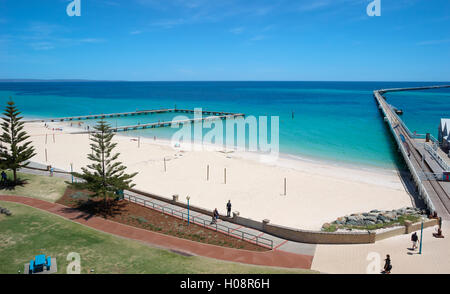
387 265
51 171
229 208
414 240
215 216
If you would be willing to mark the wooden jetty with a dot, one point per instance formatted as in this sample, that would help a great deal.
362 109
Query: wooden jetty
210 115
167 123
426 167
134 113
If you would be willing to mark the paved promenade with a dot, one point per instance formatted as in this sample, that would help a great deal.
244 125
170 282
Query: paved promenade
353 259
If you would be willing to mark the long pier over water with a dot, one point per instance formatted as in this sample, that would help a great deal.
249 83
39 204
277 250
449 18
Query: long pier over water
422 155
211 115
133 113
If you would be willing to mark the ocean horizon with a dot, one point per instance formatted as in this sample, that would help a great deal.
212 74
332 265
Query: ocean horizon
330 121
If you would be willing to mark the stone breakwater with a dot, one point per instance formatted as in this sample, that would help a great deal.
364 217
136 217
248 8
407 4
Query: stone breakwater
374 217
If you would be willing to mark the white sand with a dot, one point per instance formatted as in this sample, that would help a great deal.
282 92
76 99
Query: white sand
316 192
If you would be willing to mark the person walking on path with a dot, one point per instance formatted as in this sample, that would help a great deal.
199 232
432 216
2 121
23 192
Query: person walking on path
215 216
414 240
387 265
51 171
229 208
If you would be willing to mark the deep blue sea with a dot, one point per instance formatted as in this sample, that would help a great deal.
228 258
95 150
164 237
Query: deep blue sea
337 121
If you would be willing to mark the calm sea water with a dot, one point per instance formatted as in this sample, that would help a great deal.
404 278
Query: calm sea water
336 121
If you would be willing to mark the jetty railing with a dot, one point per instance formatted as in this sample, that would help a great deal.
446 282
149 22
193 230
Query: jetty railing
134 113
420 186
431 149
437 157
236 233
408 131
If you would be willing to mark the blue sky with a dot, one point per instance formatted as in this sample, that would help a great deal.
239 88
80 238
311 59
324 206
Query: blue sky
226 40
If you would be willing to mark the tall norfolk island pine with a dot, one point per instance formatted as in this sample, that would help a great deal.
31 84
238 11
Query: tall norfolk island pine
105 175
17 152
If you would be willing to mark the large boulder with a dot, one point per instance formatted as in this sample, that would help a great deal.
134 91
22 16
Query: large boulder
371 218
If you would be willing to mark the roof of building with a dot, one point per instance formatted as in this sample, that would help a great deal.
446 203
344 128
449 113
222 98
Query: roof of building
444 122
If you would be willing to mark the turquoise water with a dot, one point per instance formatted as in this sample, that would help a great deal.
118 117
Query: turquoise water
336 121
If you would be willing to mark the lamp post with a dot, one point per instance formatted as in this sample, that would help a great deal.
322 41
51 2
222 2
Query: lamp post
421 234
187 197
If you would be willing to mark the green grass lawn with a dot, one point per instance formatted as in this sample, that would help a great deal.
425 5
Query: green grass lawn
29 232
42 187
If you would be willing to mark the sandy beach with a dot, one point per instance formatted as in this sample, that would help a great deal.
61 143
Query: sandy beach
316 192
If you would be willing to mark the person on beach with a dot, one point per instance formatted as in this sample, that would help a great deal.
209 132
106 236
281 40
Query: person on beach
387 265
229 208
414 240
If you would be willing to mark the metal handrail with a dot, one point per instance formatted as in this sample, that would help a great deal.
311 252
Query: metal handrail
437 157
426 197
236 233
410 134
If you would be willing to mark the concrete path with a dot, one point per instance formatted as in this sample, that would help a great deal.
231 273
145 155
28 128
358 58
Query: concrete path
279 244
365 258
276 258
236 230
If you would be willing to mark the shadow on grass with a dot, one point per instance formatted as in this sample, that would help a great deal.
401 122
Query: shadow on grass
96 207
9 185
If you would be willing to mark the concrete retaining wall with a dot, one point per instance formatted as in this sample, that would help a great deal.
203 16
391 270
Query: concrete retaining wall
408 228
416 227
304 236
390 233
246 222
318 237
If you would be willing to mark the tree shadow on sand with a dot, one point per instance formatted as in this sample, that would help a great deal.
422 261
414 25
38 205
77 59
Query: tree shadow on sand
96 207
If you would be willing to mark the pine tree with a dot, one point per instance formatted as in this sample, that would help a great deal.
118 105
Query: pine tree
17 152
105 175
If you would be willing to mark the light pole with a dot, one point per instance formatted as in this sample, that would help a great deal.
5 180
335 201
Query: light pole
187 197
421 234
